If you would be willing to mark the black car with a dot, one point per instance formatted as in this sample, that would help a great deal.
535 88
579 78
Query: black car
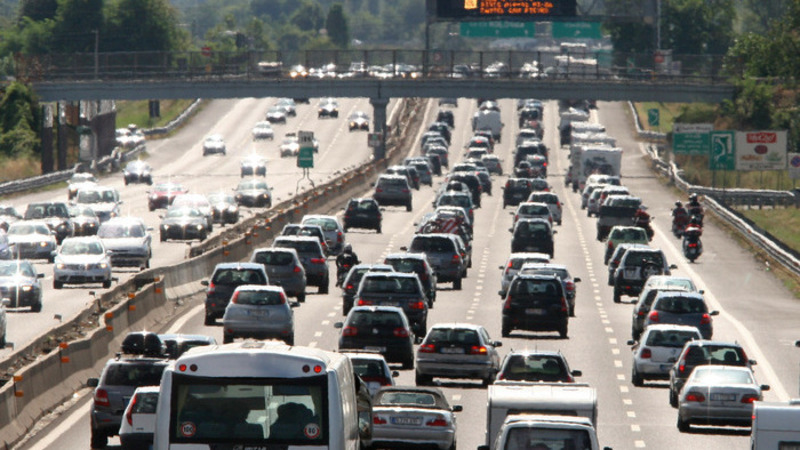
224 280
138 172
55 214
528 148
446 116
443 129
535 303
353 280
362 213
184 224
384 329
516 191
253 192
403 290
473 183
416 263
532 235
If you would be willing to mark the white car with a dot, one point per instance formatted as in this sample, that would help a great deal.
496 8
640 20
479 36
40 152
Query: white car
82 260
128 241
103 200
658 349
198 202
373 370
214 144
263 130
139 419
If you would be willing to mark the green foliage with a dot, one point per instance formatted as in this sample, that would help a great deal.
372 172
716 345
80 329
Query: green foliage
141 25
75 23
38 10
697 26
753 105
308 17
20 141
336 24
696 113
19 121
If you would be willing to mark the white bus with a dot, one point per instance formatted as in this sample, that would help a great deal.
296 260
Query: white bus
259 394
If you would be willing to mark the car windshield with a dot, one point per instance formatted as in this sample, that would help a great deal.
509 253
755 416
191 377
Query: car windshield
459 336
133 375
274 258
95 196
27 228
13 268
325 223
434 245
167 187
561 274
221 198
107 231
389 285
541 438
680 305
455 200
145 403
670 338
81 248
423 399
537 287
711 375
252 185
375 319
43 211
535 368
238 277
258 298
183 212
534 210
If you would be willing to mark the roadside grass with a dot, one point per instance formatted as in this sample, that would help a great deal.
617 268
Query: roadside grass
138 113
17 168
783 223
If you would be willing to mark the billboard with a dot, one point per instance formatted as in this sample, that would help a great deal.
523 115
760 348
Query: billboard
691 138
761 150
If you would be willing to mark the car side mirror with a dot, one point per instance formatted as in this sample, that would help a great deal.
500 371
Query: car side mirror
497 343
338 325
576 280
555 231
395 374
511 213
701 291
500 293
39 275
631 342
753 362
673 266
714 313
511 230
92 382
204 283
764 387
576 373
404 248
457 408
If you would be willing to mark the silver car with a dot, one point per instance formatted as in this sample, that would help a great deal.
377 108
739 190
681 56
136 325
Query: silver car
552 201
82 260
103 200
128 241
406 415
198 202
682 308
514 263
334 233
284 269
214 144
457 350
258 311
31 239
719 395
658 349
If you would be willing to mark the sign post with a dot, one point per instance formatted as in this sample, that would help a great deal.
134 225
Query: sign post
653 117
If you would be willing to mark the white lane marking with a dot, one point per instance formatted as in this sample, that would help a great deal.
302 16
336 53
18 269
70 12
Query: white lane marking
636 428
70 422
181 322
617 363
318 334
615 351
312 344
326 322
631 414
612 341
627 401
456 397
624 389
639 444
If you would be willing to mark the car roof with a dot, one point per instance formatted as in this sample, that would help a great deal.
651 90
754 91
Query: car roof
669 327
526 352
682 293
420 256
259 287
705 342
376 308
364 355
240 265
275 250
297 238
468 326
147 390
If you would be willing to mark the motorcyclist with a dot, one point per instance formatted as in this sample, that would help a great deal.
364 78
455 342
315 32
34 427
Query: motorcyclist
680 217
642 220
691 238
344 262
694 208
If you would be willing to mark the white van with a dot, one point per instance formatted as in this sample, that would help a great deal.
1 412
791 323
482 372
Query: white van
488 120
507 398
776 425
530 431
262 394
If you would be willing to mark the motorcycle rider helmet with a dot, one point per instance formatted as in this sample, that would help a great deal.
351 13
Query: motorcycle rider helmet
693 197
348 248
695 221
678 204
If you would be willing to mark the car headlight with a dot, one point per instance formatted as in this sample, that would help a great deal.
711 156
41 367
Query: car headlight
199 228
26 288
102 265
43 244
60 266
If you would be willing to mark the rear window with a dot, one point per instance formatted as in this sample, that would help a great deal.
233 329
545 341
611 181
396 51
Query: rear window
258 298
302 247
453 336
407 265
680 305
671 338
274 258
534 209
527 438
238 277
537 287
376 319
435 245
628 234
325 224
145 403
368 368
638 258
380 285
133 375
716 354
533 230
392 182
535 367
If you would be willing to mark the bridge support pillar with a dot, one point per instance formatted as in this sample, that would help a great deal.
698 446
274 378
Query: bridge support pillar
379 125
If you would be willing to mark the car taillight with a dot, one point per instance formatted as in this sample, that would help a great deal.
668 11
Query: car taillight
516 217
349 287
362 302
477 350
378 190
610 244
749 398
427 348
339 236
437 422
349 331
378 420
653 316
693 245
318 260
129 414
283 298
681 368
297 269
420 305
101 398
211 287
695 397
405 191
646 353
564 307
235 297
456 259
400 332
705 320
507 303
570 286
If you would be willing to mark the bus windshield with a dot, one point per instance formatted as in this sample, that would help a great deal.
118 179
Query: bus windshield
230 410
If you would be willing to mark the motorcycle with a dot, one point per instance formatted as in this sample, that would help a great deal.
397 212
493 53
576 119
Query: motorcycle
341 273
679 225
692 246
644 223
696 211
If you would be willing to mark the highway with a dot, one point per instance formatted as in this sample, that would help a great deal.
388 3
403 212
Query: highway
755 309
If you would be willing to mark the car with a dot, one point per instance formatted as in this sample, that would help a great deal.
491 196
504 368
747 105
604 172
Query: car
103 200
443 128
362 213
373 369
130 137
393 190
334 233
560 271
616 257
457 350
535 303
254 165
396 289
461 200
113 390
328 107
414 417
138 171
276 114
551 200
704 352
684 308
493 164
84 221
20 284
138 429
314 231
444 254
263 130
472 181
719 395
284 269
643 305
424 170
82 260
536 365
516 191
667 281
439 151
359 120
163 194
288 105
224 280
383 329
177 344
620 234
446 116
183 223
8 215
77 181
260 312
214 144
532 235
415 263
290 146
658 349
54 214
128 242
198 202
452 101
253 193
514 262
353 279
311 256
224 208
406 171
638 264
533 210
32 239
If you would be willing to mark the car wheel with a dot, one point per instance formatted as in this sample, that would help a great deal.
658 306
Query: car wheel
3 341
562 332
422 380
147 264
572 311
673 398
488 381
151 207
301 297
408 363
99 440
163 238
378 230
683 425
209 320
505 331
106 284
57 284
51 259
457 284
289 340
323 288
409 206
636 379
227 339
126 181
37 307
617 294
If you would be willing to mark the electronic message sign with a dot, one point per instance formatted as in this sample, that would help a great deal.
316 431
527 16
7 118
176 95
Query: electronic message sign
494 9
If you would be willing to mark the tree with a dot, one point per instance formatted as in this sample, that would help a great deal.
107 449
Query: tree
760 14
336 24
697 26
308 16
20 120
75 23
142 25
38 10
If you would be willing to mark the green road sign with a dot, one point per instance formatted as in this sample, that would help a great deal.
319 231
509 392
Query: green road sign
305 158
691 138
653 116
723 151
576 30
497 29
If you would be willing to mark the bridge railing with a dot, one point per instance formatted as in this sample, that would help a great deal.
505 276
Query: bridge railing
380 63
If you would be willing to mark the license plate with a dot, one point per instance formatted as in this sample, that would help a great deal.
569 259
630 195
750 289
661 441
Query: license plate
665 367
452 350
723 397
518 195
630 273
407 420
258 313
534 311
375 349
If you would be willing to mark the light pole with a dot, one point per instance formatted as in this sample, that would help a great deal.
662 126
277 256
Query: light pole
96 54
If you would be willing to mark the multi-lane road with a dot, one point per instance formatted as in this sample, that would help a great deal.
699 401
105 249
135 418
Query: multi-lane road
755 308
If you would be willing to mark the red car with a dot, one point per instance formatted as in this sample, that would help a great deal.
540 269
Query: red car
163 194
